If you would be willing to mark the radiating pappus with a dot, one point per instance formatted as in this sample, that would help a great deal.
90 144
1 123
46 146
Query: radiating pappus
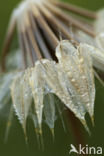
71 80
41 24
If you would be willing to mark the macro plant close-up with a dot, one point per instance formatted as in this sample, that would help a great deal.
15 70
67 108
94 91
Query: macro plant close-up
52 78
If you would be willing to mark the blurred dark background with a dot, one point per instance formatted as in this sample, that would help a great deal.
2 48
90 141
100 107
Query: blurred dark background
15 146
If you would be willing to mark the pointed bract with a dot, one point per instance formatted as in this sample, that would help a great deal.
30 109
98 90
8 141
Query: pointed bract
78 75
22 98
38 89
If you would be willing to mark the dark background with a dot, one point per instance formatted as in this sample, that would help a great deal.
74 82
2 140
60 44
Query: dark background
15 146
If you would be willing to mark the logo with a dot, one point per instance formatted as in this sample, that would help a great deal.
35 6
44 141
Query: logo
85 150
